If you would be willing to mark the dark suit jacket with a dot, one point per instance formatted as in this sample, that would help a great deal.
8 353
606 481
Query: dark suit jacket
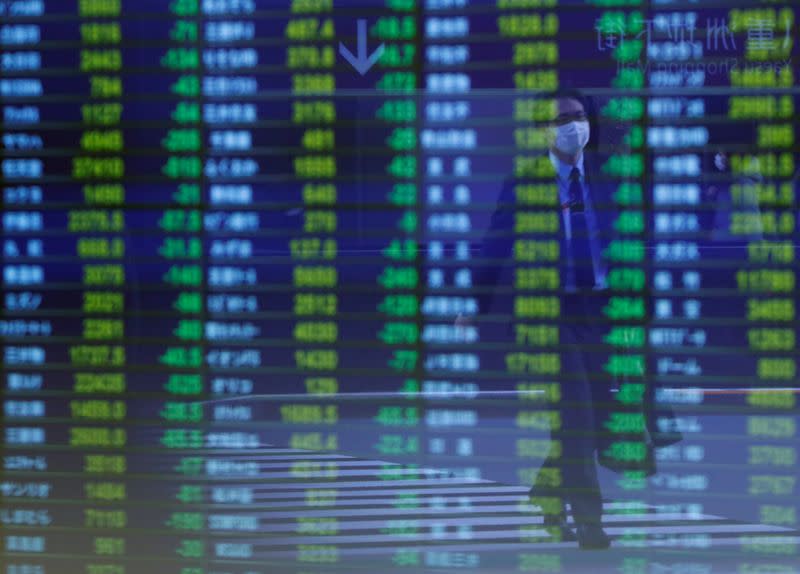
498 250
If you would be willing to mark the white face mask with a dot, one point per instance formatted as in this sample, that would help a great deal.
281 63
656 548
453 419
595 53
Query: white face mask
571 138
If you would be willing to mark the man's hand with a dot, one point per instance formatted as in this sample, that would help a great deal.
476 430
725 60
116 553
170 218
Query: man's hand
721 161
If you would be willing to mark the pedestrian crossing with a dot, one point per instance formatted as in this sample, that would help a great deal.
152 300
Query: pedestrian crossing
333 505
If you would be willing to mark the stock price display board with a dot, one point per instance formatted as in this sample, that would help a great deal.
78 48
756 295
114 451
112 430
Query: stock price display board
247 322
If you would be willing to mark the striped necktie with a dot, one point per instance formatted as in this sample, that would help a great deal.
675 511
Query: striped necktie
575 200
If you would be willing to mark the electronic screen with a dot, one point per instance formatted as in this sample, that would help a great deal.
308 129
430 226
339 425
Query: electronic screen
312 286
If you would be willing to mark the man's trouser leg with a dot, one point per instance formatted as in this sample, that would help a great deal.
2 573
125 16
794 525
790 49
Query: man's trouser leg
569 474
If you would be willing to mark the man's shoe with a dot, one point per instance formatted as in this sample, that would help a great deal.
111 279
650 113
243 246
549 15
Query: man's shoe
591 536
556 525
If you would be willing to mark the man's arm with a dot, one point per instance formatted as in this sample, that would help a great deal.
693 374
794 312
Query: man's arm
496 247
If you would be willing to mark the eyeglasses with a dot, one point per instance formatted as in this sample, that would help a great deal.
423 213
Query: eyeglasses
563 119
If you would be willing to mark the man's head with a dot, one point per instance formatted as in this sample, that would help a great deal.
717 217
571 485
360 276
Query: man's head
570 129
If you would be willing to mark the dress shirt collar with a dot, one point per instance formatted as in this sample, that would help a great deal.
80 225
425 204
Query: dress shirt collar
563 169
